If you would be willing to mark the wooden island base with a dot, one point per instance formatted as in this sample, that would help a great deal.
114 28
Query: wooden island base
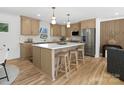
42 59
44 56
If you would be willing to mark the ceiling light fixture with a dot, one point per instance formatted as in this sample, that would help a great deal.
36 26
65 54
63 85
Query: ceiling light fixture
116 13
38 14
53 21
68 22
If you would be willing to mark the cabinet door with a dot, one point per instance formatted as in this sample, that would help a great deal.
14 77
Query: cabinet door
68 32
56 30
35 26
91 23
25 26
53 30
75 27
26 51
63 30
84 24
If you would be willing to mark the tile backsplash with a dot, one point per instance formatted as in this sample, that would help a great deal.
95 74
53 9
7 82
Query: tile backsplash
36 39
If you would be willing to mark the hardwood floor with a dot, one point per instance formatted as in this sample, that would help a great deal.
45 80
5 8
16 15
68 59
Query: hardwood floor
92 72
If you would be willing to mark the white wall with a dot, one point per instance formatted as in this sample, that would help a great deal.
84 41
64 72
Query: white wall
11 38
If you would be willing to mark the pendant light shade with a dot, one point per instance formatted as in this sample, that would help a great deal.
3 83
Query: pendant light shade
53 20
68 25
68 22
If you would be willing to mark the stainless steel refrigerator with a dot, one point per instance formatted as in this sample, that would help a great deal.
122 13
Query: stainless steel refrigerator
88 37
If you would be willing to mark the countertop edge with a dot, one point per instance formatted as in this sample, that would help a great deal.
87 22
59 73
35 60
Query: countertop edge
60 47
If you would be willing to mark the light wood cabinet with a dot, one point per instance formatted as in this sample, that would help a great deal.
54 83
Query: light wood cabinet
29 26
76 27
55 30
84 24
37 57
46 60
68 32
42 58
62 30
25 26
91 23
26 50
73 27
35 26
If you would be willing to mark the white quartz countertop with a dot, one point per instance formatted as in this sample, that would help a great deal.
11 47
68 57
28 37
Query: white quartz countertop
57 46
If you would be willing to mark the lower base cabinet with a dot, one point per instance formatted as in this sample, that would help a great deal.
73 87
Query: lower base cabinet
26 51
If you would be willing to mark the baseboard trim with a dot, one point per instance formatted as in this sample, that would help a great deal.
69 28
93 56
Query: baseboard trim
14 59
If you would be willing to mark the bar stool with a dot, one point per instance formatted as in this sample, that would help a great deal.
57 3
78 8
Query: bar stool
63 64
74 60
80 52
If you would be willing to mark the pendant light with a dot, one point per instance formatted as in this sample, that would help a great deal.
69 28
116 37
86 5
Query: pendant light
53 21
68 22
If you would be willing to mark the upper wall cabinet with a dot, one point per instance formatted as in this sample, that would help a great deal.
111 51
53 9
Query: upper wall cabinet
25 26
91 23
29 26
62 30
74 27
55 30
35 26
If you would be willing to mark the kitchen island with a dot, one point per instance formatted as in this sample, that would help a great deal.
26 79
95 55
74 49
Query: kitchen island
44 55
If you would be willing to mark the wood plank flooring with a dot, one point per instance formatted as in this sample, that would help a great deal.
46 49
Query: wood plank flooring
93 72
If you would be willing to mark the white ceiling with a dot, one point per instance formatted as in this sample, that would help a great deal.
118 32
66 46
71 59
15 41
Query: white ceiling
76 13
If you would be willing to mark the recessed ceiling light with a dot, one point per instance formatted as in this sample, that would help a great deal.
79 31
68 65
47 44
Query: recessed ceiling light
116 13
38 14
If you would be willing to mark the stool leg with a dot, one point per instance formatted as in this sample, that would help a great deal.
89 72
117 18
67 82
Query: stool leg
57 66
5 72
66 69
69 68
70 57
83 56
76 56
